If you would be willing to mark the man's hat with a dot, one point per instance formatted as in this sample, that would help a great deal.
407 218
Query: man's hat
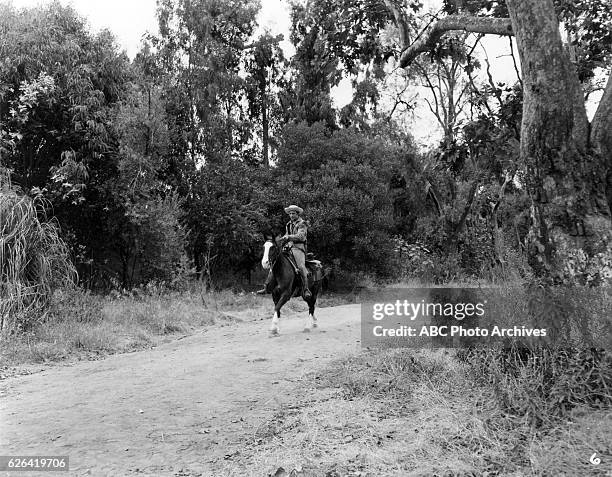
294 208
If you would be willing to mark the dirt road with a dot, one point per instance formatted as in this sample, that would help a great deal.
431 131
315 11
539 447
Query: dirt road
179 409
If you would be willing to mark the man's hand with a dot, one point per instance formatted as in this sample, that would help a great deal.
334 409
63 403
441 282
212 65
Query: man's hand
284 238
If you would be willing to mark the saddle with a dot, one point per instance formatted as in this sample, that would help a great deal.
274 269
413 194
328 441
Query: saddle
313 267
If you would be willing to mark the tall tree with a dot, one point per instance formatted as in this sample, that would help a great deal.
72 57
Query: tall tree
265 75
60 85
202 44
566 159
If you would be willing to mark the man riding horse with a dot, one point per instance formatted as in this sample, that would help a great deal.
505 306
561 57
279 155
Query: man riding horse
295 239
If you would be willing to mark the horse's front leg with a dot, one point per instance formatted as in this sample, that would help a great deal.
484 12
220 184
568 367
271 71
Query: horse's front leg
279 300
311 320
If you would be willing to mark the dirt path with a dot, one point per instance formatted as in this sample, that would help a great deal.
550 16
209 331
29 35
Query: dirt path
179 409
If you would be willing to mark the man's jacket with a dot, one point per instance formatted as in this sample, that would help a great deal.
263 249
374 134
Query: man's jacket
296 233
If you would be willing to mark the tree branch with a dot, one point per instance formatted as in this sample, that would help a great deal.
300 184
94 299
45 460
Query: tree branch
518 75
601 126
494 89
468 23
433 91
401 22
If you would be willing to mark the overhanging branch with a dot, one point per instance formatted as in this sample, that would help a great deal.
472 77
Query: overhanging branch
467 23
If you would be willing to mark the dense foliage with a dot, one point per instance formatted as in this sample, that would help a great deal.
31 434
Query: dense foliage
178 162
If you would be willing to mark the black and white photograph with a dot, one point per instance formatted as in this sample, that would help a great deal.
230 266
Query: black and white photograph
306 238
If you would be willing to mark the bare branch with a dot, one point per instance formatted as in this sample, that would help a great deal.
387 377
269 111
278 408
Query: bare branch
458 106
397 103
494 88
433 91
479 94
468 23
435 113
518 74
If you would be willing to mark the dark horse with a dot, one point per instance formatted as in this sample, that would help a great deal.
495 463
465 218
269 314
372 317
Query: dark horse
286 283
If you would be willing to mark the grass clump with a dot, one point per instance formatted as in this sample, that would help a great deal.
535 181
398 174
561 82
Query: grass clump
542 385
34 260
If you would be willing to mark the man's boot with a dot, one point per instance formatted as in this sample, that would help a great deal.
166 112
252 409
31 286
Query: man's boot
305 291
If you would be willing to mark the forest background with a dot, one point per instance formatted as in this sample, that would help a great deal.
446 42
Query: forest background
174 165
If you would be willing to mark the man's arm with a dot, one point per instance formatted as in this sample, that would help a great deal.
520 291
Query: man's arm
300 235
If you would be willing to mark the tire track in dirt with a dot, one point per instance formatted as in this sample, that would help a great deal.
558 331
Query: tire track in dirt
177 409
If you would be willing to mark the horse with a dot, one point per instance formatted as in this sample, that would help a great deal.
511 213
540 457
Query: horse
286 283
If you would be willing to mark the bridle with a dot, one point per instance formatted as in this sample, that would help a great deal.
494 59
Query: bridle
270 261
279 252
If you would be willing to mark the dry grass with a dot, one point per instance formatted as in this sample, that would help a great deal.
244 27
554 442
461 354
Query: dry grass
82 325
414 413
34 260
566 449
393 413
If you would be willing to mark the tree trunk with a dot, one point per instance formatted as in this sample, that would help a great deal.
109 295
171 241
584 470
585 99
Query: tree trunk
601 135
563 179
265 126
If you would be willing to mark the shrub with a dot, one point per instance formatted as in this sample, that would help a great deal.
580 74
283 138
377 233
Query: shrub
76 305
539 385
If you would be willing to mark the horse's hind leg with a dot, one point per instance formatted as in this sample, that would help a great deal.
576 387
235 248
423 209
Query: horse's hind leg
311 313
311 321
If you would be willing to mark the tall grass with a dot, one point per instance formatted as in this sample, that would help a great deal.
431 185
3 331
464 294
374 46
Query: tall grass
34 260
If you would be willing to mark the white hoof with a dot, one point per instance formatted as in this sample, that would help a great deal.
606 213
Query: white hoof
313 322
274 328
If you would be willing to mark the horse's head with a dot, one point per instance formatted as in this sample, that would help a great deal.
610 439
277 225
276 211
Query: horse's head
271 248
